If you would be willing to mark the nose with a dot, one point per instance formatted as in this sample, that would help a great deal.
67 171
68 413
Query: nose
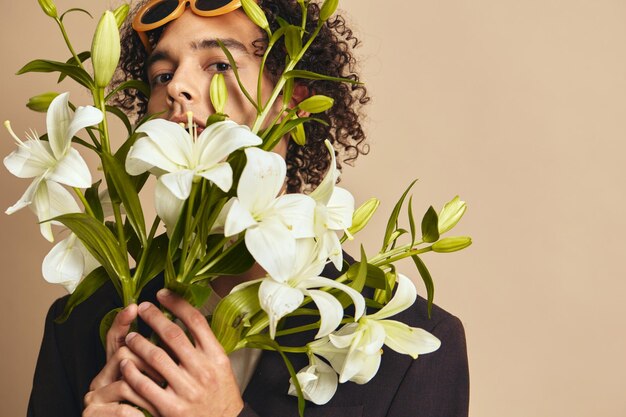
184 89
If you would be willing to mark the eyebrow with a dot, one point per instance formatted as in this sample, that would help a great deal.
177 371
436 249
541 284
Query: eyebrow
230 44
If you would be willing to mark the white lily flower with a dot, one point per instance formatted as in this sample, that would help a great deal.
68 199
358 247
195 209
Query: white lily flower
333 212
272 223
180 157
54 160
354 351
68 263
318 381
279 298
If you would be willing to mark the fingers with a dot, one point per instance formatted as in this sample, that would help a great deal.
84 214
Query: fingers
111 371
112 410
145 387
194 321
119 329
155 358
113 394
170 333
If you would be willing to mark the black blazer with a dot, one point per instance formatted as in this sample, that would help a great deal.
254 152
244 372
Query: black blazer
434 385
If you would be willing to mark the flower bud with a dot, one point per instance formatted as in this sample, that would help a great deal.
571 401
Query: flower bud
298 135
452 244
41 102
49 8
328 9
120 14
218 93
451 213
256 14
105 49
363 214
316 104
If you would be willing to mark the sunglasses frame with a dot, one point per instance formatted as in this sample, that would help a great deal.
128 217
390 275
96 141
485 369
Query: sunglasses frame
141 28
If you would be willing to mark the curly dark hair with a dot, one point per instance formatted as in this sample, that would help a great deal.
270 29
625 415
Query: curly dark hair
330 54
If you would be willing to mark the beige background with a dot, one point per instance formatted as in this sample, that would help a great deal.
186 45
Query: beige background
519 106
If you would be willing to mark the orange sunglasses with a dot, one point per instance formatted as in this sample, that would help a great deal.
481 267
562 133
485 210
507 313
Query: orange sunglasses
157 13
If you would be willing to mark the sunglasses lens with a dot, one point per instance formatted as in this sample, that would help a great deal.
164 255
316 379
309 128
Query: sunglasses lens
159 11
208 5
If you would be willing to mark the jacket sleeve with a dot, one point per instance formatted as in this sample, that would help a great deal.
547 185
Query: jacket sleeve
51 395
437 384
247 412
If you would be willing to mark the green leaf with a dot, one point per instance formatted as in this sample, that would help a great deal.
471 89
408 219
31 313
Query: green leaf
232 312
74 9
393 219
131 85
279 33
309 75
195 294
288 91
328 9
76 73
89 285
428 281
233 65
293 41
122 116
92 196
277 134
155 262
106 324
430 228
375 277
411 221
235 262
83 56
100 242
125 190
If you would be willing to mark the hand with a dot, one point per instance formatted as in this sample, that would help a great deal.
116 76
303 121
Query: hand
107 389
200 382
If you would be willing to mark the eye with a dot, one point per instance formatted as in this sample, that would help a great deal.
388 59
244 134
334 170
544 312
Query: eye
161 79
220 67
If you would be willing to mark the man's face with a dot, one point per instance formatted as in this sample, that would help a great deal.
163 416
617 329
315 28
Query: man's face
187 56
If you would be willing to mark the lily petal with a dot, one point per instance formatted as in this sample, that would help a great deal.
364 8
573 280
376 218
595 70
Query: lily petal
237 219
167 206
408 340
273 247
357 298
72 170
340 209
84 116
27 198
146 154
278 300
324 190
220 175
367 366
331 312
179 183
170 141
32 159
318 382
58 120
64 264
219 140
296 211
403 298
261 179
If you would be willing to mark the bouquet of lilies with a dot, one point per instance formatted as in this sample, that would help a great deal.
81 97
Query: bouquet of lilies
220 196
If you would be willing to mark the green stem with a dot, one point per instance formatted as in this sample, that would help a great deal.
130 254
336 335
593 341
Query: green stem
406 254
258 123
144 254
128 292
68 43
218 258
83 200
188 228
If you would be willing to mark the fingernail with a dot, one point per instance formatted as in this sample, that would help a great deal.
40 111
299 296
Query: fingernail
130 336
143 306
123 363
164 293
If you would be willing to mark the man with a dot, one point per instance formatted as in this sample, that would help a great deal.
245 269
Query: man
178 60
